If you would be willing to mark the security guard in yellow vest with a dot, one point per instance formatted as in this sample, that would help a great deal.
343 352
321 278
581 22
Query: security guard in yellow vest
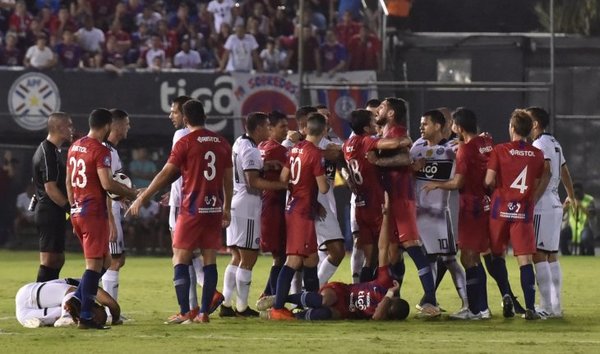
577 226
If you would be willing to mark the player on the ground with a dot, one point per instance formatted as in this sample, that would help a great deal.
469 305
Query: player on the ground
272 229
548 214
88 178
306 176
365 181
51 195
433 213
473 218
243 234
118 131
515 169
203 159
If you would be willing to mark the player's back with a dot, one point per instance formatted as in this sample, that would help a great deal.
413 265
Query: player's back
271 150
85 157
305 163
202 156
364 175
471 162
553 154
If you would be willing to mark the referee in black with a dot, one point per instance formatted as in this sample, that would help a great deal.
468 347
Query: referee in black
49 169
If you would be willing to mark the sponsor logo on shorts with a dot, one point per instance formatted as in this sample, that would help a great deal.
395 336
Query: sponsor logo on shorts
513 211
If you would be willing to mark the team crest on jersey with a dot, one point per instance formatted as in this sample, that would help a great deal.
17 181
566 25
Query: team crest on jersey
440 151
31 98
429 153
210 200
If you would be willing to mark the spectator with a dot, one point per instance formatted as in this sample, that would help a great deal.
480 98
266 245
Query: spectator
123 39
577 236
264 25
311 60
168 38
364 50
218 41
40 56
24 217
68 52
45 17
240 52
144 228
141 41
353 7
282 25
102 10
180 23
124 17
62 22
187 58
6 9
333 55
11 55
237 17
90 38
221 10
252 28
149 17
141 168
35 30
52 5
115 64
203 21
346 29
271 57
134 7
20 20
80 10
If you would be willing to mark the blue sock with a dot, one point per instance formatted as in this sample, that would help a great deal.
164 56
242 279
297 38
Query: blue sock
210 285
89 288
311 279
427 281
483 296
181 281
528 285
284 282
271 287
320 314
500 274
472 275
306 299
366 274
398 269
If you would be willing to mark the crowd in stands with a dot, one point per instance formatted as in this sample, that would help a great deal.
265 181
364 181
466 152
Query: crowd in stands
223 35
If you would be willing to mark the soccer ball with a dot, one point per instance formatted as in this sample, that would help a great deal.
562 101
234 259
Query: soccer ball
124 180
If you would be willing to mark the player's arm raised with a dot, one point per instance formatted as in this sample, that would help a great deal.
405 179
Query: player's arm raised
544 180
228 194
165 177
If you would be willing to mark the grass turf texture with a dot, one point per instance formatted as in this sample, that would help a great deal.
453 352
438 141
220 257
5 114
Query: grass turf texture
146 295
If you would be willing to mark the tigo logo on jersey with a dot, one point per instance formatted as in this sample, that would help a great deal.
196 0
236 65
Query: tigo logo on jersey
31 98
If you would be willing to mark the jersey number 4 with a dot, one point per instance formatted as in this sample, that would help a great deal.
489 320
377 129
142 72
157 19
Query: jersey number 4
78 177
520 182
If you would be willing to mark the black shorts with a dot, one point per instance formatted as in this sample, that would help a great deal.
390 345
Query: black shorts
52 226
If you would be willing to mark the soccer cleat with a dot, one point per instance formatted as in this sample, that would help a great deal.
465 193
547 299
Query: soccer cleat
517 306
90 324
32 323
65 321
507 307
465 314
194 312
73 307
226 311
217 300
265 302
532 315
280 315
248 312
201 318
180 319
486 314
429 311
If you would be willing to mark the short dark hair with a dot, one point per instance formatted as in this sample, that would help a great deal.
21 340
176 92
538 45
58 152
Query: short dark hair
193 110
373 103
118 114
275 117
466 119
397 105
316 124
255 119
539 115
359 119
304 111
399 309
521 121
436 117
99 118
181 100
321 106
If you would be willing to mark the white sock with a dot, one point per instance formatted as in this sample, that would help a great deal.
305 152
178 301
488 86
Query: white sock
296 287
556 276
229 284
544 282
433 266
356 263
458 277
110 283
322 257
243 278
193 289
198 267
326 271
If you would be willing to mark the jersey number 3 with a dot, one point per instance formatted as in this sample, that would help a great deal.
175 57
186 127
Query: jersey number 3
78 177
520 182
210 171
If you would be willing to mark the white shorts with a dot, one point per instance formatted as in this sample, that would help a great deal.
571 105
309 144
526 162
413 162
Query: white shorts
41 301
435 230
117 247
173 212
353 222
546 224
244 233
328 229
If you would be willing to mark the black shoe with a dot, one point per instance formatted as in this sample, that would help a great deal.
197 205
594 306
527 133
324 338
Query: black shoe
248 312
226 311
73 307
90 324
507 306
532 315
517 306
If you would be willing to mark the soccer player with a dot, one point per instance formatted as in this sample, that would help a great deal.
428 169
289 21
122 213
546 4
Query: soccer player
400 185
243 234
203 159
51 195
118 132
515 169
433 214
88 177
548 214
272 229
306 176
365 181
473 218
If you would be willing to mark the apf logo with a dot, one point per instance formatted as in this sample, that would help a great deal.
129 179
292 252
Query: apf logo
31 98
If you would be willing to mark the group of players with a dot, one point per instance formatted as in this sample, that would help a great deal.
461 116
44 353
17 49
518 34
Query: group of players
273 192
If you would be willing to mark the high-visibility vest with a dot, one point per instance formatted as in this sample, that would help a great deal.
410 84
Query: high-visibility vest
578 218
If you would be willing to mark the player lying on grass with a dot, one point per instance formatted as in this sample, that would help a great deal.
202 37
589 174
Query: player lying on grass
52 303
370 300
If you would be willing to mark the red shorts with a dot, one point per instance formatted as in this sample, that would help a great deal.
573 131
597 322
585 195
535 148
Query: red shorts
520 234
198 231
369 225
93 233
473 231
342 294
301 237
404 215
272 229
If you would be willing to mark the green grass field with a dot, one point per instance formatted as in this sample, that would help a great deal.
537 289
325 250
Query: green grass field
146 295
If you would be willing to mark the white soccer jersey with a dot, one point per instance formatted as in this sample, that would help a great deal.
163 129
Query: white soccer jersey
221 12
115 166
41 300
246 201
175 195
552 153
